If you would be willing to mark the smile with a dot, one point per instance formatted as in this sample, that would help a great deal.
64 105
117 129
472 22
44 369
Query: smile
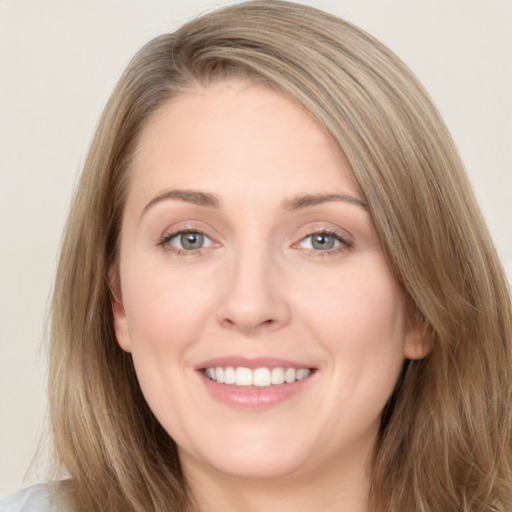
258 377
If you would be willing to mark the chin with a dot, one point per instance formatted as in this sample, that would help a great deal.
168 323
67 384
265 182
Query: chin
251 457
261 467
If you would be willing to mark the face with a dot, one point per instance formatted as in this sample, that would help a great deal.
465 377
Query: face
266 328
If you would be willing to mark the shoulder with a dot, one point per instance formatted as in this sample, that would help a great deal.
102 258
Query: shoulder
34 499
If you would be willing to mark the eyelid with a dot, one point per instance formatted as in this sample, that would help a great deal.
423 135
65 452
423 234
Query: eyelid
170 237
337 240
183 228
343 237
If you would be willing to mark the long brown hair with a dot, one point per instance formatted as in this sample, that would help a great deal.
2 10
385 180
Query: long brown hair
445 435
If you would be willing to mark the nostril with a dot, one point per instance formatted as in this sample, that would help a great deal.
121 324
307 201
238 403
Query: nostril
248 324
251 305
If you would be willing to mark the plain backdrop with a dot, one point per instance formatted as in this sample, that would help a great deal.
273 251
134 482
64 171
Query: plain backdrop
59 60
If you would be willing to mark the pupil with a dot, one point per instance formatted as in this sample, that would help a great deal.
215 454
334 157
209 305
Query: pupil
323 242
192 240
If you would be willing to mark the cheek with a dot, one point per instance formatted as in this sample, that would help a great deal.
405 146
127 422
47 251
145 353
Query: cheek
163 307
166 313
358 302
359 319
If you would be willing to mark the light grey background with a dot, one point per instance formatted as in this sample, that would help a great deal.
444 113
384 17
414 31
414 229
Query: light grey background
59 60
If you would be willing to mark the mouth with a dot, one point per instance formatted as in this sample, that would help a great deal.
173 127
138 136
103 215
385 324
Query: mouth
255 383
264 377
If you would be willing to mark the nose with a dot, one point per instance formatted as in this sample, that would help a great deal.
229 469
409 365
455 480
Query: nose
255 297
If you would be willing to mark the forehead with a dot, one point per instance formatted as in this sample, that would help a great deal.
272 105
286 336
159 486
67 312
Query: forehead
237 133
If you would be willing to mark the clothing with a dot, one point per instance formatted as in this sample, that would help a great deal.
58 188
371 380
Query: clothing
32 499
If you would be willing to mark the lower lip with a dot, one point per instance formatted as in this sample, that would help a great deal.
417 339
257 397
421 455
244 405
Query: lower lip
253 398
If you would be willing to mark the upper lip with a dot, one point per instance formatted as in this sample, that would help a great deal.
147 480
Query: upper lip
252 363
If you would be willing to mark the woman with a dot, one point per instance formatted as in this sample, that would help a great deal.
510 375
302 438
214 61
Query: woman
275 287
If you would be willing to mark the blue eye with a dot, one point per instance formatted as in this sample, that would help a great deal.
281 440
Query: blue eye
187 240
321 242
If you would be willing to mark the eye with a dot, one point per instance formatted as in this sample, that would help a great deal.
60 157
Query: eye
325 242
186 241
320 241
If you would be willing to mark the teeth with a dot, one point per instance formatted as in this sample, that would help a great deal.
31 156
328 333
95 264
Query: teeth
277 376
243 377
219 375
289 375
229 375
302 373
260 377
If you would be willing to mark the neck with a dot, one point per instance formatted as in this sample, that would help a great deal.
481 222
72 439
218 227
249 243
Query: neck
326 489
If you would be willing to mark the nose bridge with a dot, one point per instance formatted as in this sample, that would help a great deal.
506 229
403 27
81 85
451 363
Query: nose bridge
254 296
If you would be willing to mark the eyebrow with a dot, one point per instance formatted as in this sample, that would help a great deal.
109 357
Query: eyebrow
297 203
189 196
211 201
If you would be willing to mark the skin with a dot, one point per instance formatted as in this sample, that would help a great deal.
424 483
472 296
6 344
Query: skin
258 288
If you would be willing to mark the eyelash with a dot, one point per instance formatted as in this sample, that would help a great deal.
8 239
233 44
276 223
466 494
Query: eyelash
166 239
343 243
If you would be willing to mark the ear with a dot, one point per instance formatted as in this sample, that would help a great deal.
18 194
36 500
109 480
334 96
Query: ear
119 315
419 340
